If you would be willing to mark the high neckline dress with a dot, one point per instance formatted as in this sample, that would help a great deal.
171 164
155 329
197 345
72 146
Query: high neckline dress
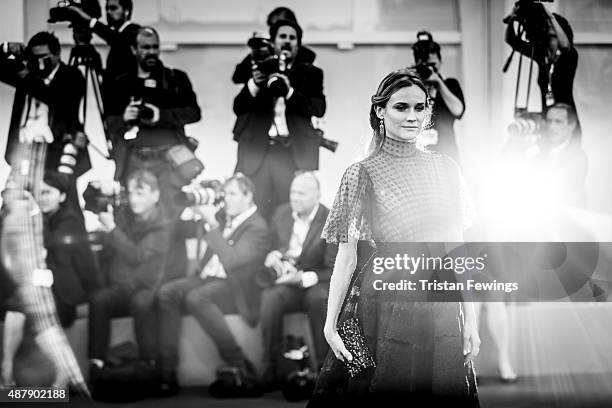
402 194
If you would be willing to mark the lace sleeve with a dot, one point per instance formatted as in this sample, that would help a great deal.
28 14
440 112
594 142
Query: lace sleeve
350 213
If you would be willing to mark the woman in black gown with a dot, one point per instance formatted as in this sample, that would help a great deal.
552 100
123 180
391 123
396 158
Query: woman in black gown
399 193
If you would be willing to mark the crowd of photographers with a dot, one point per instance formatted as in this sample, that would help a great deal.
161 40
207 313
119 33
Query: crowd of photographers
264 255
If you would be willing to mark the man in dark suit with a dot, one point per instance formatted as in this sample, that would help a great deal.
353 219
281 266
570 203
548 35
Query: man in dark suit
273 126
47 98
224 284
299 269
119 34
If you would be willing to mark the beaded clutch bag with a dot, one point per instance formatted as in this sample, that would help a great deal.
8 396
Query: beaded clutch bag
352 335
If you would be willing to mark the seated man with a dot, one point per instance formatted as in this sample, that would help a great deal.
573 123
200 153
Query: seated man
299 269
236 247
139 240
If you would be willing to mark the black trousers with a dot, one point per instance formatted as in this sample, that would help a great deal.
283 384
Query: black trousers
280 299
273 179
117 302
208 300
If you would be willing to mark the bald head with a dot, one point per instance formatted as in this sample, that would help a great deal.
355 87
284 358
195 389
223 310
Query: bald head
146 48
304 194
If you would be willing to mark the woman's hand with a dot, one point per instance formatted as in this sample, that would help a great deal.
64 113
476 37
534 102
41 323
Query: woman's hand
336 344
471 340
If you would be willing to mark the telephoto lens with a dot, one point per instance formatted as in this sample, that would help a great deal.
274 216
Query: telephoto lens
68 159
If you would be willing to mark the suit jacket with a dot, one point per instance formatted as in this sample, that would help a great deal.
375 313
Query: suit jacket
242 255
173 95
255 116
317 255
62 96
75 274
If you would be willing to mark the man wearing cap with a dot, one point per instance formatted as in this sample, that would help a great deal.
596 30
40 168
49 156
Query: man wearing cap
273 126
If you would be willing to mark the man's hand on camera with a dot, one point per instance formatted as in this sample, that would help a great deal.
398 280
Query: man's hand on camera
131 113
155 118
273 259
16 49
78 13
290 275
107 219
285 78
434 77
208 212
258 77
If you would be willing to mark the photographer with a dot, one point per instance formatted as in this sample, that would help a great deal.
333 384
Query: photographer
273 126
146 115
242 73
237 241
448 102
139 238
47 98
551 45
554 157
119 35
298 271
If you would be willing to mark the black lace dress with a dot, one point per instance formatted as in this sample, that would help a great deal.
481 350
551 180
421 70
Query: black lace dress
401 194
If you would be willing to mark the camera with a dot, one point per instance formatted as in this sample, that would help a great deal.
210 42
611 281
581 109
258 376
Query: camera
145 114
526 123
277 86
15 56
266 277
98 195
70 152
61 13
205 192
263 54
269 63
424 46
533 17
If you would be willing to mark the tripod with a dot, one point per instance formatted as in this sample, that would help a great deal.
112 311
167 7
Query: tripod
518 77
85 55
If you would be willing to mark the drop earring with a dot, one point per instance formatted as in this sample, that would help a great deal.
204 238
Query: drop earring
381 127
